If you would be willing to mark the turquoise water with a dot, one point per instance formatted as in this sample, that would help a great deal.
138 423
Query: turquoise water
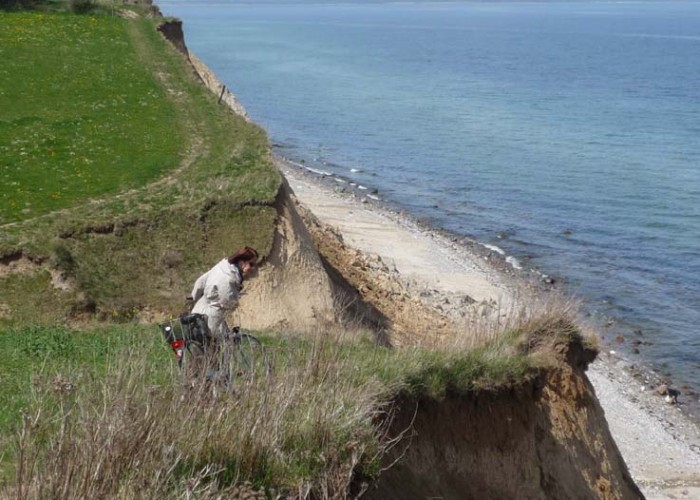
567 134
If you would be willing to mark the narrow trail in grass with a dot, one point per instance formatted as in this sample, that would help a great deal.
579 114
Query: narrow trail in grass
195 146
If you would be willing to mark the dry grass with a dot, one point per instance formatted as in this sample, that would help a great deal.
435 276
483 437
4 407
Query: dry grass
527 315
315 428
303 431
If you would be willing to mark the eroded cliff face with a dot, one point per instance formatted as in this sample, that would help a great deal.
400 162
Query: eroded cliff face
546 439
172 31
214 85
292 290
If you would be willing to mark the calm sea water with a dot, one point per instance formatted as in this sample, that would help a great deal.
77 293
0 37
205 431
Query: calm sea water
567 134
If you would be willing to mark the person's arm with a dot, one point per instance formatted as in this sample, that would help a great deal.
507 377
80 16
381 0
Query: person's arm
199 286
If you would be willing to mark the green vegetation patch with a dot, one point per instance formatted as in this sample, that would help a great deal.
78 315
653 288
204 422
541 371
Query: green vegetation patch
31 297
81 116
116 270
177 181
40 354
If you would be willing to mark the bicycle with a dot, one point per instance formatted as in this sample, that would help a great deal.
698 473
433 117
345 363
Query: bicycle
236 355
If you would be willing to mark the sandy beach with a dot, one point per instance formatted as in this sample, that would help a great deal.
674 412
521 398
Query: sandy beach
659 443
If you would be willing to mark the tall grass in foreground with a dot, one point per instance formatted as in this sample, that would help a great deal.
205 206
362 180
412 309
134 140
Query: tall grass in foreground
317 427
304 430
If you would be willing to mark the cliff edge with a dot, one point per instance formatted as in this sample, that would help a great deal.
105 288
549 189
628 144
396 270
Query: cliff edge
544 439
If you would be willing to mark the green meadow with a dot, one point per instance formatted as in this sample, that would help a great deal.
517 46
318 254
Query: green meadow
119 170
81 116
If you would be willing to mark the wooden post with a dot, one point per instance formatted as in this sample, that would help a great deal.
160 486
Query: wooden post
223 89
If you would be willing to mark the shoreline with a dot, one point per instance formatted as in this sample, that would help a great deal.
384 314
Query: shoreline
496 256
504 264
660 442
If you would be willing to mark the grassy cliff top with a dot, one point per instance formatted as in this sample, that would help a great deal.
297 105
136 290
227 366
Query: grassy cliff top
84 119
122 177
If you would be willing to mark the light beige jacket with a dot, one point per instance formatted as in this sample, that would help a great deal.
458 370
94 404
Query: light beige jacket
218 288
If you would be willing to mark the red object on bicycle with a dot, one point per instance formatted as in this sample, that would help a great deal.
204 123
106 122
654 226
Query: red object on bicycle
177 346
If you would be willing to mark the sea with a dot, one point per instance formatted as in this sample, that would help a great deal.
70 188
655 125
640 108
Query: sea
565 135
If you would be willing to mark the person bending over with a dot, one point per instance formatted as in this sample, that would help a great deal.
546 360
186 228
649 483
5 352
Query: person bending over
217 291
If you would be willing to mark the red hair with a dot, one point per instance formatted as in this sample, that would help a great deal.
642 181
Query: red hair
246 254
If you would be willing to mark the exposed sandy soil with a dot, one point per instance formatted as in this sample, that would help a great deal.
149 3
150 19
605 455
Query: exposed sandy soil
426 259
660 445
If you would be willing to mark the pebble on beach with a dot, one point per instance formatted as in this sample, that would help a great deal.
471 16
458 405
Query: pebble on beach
670 394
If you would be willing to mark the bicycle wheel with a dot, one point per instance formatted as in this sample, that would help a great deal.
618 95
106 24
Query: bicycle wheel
248 358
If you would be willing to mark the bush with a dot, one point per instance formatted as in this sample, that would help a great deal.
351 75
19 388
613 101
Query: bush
63 260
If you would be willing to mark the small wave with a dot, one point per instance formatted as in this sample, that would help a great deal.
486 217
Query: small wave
319 172
355 170
293 163
283 145
373 197
327 163
341 181
496 249
360 186
515 263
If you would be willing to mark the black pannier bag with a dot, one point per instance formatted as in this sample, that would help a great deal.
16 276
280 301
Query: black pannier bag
190 327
